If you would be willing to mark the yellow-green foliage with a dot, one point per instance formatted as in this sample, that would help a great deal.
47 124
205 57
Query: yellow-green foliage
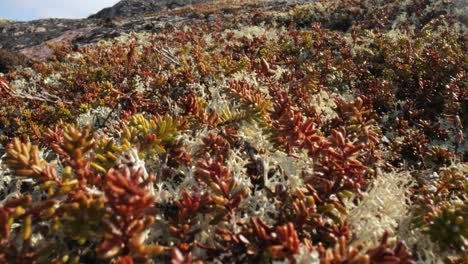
150 135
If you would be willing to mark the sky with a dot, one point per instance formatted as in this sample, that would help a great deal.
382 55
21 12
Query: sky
35 9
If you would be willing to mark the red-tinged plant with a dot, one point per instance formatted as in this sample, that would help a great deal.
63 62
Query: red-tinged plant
190 205
197 112
120 217
305 209
439 208
125 260
180 155
130 207
314 218
23 210
73 144
193 105
10 210
288 242
383 253
342 253
293 130
177 257
338 167
413 147
249 96
226 193
260 241
439 156
188 208
359 120
214 146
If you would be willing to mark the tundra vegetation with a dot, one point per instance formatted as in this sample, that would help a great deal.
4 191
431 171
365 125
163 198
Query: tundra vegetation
328 132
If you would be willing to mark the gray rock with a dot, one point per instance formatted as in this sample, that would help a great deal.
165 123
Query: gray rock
32 38
130 8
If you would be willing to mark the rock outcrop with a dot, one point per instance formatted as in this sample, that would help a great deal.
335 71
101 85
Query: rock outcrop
9 60
130 8
19 35
34 38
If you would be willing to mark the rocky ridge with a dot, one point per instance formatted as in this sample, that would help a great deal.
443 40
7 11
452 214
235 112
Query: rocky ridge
130 8
34 38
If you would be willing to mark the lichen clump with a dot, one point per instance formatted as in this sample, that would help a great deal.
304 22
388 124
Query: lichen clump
315 133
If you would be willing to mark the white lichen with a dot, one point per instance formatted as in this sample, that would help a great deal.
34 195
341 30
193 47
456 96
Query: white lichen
94 117
382 208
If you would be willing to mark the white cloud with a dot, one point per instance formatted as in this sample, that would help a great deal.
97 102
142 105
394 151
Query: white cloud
56 8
